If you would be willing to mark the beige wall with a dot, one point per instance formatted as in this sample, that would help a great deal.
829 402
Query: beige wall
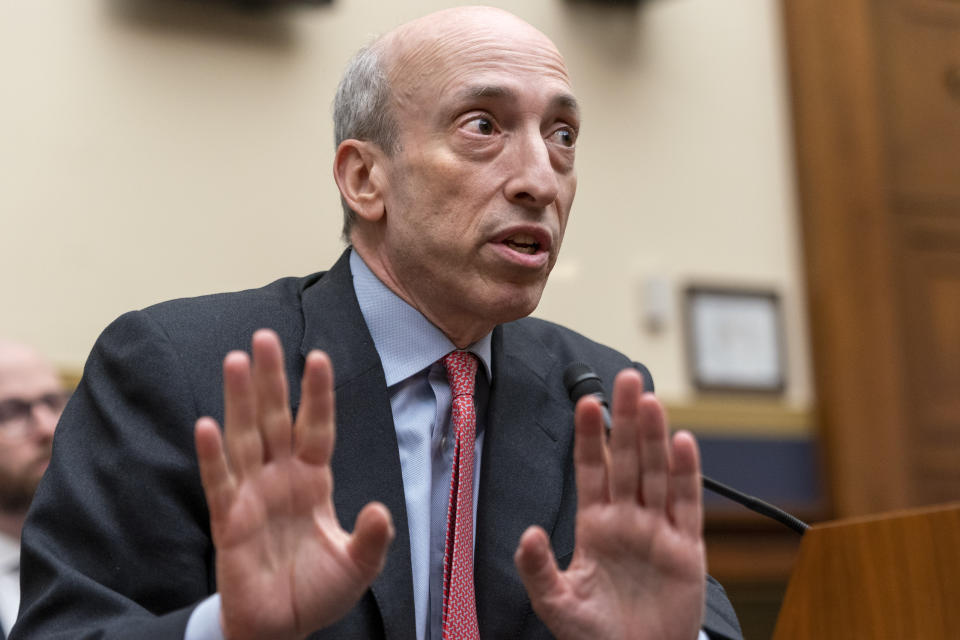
151 150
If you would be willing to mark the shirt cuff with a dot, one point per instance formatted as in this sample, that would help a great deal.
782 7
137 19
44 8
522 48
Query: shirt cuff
204 622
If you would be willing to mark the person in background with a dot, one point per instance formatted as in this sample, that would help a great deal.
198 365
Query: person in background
31 401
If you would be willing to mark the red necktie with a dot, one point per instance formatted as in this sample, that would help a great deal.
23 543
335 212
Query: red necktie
459 601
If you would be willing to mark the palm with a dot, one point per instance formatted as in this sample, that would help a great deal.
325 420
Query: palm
638 566
285 567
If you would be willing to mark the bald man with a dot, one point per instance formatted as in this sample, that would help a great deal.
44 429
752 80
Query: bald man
31 400
482 504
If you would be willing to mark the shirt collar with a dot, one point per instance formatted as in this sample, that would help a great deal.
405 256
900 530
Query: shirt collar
406 341
9 552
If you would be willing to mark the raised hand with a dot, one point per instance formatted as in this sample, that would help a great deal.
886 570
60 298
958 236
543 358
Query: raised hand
638 568
285 567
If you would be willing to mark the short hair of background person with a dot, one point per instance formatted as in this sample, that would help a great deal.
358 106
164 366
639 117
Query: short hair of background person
31 400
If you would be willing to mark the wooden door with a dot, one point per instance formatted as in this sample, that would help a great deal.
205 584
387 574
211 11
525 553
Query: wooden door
876 100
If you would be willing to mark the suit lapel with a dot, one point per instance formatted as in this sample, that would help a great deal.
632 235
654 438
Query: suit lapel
366 459
524 474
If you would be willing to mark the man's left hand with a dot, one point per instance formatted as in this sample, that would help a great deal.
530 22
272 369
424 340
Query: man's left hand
639 565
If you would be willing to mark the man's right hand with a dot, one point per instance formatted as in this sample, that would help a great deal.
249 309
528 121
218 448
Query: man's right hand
285 566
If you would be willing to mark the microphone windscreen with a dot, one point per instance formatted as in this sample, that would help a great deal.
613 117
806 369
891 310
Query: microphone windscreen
580 380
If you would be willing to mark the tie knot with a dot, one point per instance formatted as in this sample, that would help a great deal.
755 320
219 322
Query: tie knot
461 372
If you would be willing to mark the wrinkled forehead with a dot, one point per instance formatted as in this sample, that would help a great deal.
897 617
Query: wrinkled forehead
427 57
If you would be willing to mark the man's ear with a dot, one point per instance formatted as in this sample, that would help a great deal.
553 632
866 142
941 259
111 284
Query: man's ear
358 168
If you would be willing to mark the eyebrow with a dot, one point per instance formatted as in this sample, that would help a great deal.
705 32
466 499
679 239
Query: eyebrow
564 101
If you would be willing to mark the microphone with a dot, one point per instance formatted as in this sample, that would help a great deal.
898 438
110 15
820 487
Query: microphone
580 380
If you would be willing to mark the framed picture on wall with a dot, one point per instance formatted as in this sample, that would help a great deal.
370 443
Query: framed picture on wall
735 339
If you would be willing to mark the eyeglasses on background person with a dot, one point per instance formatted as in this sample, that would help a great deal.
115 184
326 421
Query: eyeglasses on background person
16 413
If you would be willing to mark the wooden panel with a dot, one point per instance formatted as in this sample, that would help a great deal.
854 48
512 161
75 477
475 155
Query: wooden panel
733 415
938 469
920 90
931 321
749 554
930 310
937 488
919 66
890 577
876 88
849 251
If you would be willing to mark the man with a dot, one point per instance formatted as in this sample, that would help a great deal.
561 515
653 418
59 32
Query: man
31 400
455 453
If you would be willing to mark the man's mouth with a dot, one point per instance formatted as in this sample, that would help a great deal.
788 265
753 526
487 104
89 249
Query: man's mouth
523 243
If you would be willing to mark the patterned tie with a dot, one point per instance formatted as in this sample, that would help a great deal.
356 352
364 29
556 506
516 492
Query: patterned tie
459 602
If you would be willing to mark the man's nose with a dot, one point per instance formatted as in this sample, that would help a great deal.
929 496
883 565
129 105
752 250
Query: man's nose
534 181
44 420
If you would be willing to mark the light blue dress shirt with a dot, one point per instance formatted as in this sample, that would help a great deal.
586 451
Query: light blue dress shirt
410 348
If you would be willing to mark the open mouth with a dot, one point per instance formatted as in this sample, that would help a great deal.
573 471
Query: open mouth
523 243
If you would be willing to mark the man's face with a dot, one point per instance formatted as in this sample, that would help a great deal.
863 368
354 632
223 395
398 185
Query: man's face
25 439
479 193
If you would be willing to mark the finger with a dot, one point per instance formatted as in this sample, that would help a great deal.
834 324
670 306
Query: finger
215 475
242 437
589 453
536 565
624 448
687 492
655 453
315 431
273 405
372 535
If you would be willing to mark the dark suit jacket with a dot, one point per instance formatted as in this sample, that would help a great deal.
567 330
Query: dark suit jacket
117 544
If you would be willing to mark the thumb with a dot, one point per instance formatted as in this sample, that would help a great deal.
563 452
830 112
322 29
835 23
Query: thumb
371 538
537 565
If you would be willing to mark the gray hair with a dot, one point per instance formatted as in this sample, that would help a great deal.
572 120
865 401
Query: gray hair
362 110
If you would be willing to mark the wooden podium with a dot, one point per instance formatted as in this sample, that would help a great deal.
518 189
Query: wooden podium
891 576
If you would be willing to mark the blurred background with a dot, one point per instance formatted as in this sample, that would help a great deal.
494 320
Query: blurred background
767 213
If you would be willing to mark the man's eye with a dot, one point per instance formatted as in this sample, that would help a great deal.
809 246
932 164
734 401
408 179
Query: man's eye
481 125
13 409
565 137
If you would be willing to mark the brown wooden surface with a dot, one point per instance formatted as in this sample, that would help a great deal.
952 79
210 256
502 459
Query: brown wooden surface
876 109
846 236
895 576
749 548
752 557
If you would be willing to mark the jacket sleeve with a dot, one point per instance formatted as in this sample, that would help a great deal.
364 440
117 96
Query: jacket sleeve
117 544
719 618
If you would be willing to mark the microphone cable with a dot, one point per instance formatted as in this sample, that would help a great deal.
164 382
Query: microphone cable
580 380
